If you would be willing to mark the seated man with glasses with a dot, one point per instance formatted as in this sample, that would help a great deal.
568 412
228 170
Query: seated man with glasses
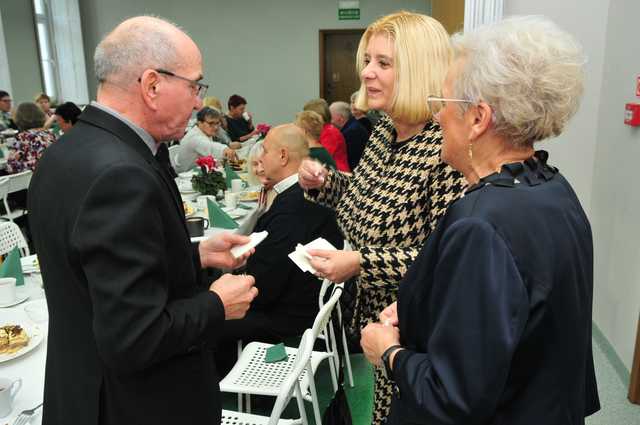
198 141
5 112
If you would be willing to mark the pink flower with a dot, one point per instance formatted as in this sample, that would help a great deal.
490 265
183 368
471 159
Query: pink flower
263 128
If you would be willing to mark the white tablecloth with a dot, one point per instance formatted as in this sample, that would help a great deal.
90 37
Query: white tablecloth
30 366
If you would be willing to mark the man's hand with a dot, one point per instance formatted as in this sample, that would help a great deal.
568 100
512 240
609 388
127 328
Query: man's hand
389 316
236 293
215 251
375 339
337 266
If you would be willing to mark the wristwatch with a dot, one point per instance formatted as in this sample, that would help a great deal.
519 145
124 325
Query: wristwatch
385 361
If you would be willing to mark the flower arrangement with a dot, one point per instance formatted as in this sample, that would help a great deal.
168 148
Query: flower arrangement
263 129
209 181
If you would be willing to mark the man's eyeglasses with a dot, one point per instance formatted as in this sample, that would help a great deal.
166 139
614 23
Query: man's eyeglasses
212 123
442 101
199 88
6 99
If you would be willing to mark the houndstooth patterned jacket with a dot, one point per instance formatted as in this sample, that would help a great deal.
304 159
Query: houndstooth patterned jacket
389 206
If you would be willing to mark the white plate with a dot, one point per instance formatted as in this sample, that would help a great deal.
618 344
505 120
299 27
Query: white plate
235 212
186 189
36 336
22 293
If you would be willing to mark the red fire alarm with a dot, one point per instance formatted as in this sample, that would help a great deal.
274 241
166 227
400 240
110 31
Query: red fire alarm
632 114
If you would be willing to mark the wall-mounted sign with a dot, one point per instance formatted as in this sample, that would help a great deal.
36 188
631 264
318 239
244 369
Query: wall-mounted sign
348 10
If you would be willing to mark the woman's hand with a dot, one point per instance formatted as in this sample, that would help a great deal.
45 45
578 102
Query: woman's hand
311 174
389 316
375 339
337 266
230 154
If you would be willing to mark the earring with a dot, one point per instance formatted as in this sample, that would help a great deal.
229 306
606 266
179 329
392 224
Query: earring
470 151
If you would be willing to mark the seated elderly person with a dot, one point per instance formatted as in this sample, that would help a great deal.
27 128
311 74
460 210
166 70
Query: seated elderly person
311 123
31 140
355 135
239 122
5 112
493 320
330 137
287 300
198 141
67 115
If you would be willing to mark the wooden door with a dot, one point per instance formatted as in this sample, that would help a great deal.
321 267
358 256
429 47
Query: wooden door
338 72
634 386
450 13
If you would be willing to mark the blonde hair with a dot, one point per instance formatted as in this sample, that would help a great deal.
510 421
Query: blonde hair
311 122
212 102
528 70
421 56
320 106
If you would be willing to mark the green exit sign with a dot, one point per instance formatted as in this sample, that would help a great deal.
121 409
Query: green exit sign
348 14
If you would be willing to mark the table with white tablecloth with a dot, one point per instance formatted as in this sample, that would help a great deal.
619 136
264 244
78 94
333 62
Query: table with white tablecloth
30 366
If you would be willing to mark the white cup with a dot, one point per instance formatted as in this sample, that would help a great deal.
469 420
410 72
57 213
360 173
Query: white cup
246 116
230 200
237 185
7 290
201 201
8 391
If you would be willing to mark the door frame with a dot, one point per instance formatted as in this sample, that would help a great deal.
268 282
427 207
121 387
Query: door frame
322 34
634 384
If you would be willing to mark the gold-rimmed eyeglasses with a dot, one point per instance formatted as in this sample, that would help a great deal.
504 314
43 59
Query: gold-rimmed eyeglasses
442 101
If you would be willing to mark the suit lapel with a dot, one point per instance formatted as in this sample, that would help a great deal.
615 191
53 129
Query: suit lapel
126 135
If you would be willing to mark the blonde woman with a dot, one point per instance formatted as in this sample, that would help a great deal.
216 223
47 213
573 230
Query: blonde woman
493 320
311 123
401 187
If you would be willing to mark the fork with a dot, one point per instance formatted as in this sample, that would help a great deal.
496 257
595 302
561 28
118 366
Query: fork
25 416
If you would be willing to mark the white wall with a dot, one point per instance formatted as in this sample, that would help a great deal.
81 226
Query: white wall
574 151
266 51
616 193
599 154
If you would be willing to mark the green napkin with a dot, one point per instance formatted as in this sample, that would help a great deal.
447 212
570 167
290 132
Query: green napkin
12 267
230 175
275 353
219 218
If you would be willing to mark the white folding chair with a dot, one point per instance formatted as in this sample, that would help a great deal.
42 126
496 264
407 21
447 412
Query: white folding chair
10 236
16 183
173 152
286 376
345 349
251 375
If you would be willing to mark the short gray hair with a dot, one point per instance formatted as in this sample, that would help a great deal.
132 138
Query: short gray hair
341 108
528 70
134 46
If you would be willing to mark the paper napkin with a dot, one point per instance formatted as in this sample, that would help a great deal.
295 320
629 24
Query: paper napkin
301 257
219 218
275 353
12 268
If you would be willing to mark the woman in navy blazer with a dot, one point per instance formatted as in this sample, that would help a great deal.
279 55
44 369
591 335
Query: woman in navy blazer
493 320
